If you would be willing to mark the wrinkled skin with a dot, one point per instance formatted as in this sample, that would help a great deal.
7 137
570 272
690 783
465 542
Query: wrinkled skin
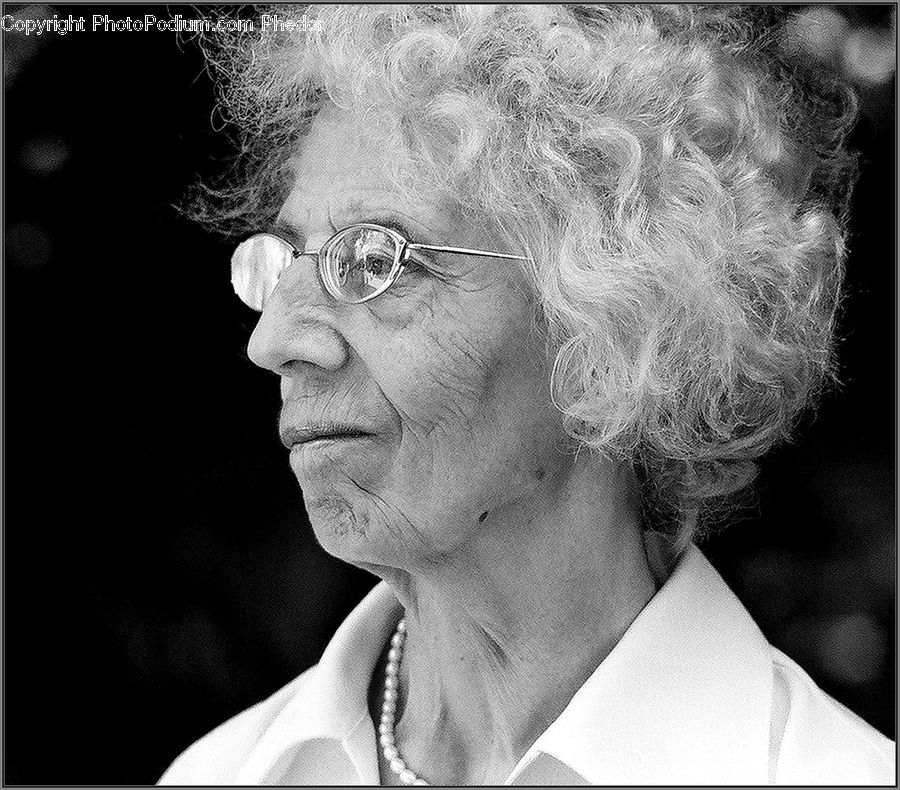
448 370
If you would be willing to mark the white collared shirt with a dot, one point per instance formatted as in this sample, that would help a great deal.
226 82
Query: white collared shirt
692 694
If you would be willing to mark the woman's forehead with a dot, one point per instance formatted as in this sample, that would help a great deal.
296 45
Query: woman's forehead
346 171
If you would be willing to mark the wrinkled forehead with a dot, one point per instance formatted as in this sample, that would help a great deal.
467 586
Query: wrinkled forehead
353 162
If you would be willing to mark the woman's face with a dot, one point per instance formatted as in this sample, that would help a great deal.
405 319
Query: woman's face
439 388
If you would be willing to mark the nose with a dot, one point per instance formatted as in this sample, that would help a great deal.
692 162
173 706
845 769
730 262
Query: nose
298 333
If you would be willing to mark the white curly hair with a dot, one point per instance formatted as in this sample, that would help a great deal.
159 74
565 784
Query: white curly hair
679 181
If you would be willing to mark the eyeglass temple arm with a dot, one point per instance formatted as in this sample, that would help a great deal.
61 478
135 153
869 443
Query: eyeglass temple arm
464 251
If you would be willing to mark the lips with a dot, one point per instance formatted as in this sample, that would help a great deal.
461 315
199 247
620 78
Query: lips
293 436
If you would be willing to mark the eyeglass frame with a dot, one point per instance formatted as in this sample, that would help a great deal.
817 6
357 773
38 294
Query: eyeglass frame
403 247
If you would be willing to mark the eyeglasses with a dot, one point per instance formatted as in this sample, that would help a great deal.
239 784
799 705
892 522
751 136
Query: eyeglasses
356 264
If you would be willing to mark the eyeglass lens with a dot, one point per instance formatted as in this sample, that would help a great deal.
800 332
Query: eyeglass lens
359 262
256 265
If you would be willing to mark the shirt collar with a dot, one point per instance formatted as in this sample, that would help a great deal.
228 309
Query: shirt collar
333 703
683 698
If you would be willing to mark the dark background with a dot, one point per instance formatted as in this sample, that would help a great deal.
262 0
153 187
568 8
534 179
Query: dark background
159 571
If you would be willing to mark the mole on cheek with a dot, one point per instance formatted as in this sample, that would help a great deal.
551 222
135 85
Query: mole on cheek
482 517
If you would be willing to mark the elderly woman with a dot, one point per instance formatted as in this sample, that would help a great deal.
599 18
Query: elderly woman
540 285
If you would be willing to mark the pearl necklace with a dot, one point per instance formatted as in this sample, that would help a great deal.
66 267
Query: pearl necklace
389 710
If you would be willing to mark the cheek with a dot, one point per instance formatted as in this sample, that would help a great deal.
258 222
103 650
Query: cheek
443 384
458 379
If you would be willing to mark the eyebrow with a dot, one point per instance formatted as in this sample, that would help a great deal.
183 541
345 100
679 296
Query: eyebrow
289 233
387 219
394 223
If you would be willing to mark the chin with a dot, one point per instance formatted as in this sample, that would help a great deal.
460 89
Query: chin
344 529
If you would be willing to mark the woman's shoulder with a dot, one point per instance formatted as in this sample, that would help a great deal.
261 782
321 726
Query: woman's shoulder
817 740
217 756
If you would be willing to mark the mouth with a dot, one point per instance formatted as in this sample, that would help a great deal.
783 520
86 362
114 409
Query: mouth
298 437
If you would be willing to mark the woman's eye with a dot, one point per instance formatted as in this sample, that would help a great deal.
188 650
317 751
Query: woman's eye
378 264
411 276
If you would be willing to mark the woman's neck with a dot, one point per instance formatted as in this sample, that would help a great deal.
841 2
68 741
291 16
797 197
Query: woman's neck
502 636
